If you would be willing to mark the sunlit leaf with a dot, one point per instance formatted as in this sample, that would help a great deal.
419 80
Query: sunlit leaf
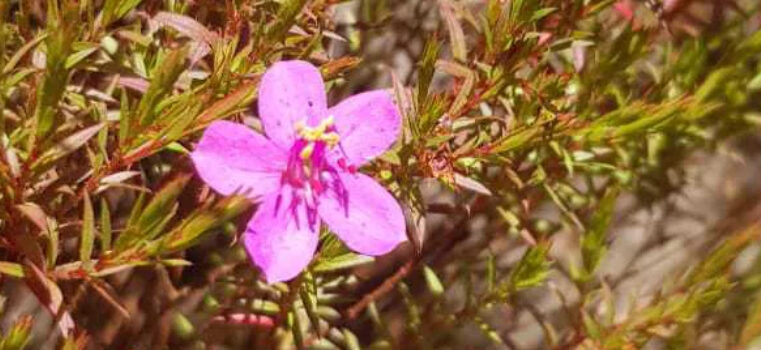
11 269
341 262
433 282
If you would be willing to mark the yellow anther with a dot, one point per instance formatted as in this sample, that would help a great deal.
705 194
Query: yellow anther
331 138
307 151
318 133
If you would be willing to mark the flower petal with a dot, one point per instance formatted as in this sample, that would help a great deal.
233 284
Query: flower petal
368 218
368 124
280 243
231 157
290 92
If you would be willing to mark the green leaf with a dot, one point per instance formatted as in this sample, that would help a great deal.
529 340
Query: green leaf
163 77
20 53
541 13
265 307
456 34
19 335
516 9
309 301
341 262
176 147
51 252
352 342
488 330
599 6
754 84
717 262
87 238
531 270
61 30
286 17
433 282
182 328
715 82
235 101
463 95
11 269
146 223
426 69
79 56
175 262
115 9
200 222
105 226
180 119
161 204
593 242
75 343
516 140
752 329
137 208
294 324
68 145
591 326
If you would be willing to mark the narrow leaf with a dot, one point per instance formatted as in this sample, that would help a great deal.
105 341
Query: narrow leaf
186 26
69 144
341 262
456 35
88 232
11 269
433 282
105 226
593 241
470 184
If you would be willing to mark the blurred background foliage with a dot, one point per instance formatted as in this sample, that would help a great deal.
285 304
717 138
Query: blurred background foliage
577 174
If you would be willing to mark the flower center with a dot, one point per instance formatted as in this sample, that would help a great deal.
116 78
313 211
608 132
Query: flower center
309 173
324 134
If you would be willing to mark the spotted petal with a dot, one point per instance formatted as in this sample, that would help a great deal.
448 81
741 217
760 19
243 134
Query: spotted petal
368 124
279 240
231 157
290 92
367 218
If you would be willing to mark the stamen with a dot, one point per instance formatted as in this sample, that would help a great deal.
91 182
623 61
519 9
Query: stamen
309 173
331 139
307 151
318 133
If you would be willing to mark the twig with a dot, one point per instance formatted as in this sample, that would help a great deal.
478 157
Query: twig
382 290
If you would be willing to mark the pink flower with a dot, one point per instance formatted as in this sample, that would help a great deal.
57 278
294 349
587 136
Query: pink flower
305 171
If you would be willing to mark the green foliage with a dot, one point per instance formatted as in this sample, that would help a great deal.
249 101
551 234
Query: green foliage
531 271
18 336
593 243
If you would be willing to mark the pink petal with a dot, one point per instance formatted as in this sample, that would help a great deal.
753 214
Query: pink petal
624 8
371 223
368 124
290 92
280 244
232 158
